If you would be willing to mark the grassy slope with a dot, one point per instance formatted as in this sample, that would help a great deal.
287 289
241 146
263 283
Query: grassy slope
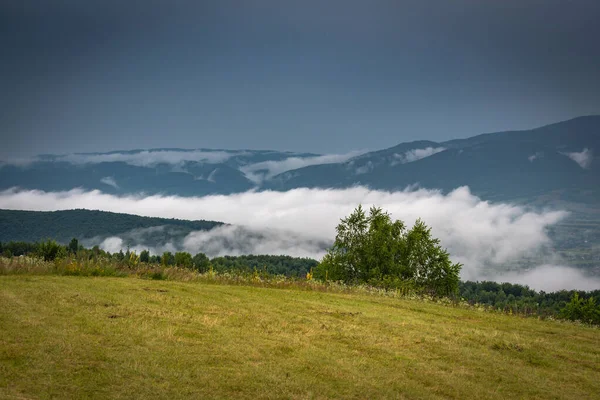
69 337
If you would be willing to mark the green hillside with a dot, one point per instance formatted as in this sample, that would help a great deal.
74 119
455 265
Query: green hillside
123 338
62 226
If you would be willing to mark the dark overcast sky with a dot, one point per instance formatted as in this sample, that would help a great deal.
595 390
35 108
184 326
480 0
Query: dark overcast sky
311 75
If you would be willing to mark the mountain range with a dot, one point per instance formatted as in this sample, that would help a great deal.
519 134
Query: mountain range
546 165
553 166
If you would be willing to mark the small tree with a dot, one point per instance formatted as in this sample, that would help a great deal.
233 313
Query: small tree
120 256
183 259
167 259
50 250
201 262
145 256
428 264
73 246
579 309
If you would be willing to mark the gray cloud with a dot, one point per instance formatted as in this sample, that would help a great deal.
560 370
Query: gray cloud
483 236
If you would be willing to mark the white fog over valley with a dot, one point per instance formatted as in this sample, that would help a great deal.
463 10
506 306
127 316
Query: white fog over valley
301 222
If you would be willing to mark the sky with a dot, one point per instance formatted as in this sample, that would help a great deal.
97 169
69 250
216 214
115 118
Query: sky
319 76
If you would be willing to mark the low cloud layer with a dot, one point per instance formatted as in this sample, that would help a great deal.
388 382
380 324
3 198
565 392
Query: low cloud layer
583 158
302 222
144 158
550 278
265 170
238 240
148 158
416 154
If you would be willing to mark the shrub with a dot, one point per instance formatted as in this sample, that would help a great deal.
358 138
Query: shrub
50 250
579 309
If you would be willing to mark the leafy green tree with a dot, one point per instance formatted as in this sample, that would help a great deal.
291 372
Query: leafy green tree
375 249
73 246
167 259
50 250
579 309
183 259
428 264
201 262
145 256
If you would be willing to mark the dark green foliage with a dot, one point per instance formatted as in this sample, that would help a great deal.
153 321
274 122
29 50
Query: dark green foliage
376 250
73 246
155 259
579 309
167 259
62 226
183 259
519 299
50 250
19 248
200 262
277 265
145 256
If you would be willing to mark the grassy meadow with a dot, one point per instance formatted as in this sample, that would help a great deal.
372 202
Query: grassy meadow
122 338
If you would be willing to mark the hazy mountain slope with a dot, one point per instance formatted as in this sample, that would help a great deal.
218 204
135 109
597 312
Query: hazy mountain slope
166 171
550 164
498 166
571 134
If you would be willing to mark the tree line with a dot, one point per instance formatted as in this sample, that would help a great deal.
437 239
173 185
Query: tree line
50 250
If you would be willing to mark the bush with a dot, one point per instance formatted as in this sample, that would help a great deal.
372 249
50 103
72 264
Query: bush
145 256
183 259
582 310
201 262
50 250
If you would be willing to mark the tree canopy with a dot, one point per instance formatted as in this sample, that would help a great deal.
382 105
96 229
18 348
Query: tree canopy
377 250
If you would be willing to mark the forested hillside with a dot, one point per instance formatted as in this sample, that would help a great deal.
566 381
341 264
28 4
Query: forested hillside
62 226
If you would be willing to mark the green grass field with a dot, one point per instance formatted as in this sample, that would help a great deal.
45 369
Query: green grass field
79 337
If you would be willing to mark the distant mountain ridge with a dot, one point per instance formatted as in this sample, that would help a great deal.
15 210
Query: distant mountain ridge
547 164
556 160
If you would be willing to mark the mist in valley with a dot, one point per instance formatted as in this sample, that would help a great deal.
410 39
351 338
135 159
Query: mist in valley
493 241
